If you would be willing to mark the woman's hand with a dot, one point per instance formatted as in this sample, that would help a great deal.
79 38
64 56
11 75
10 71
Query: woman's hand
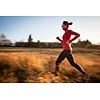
58 39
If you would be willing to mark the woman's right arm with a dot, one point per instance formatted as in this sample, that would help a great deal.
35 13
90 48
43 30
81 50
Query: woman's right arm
76 35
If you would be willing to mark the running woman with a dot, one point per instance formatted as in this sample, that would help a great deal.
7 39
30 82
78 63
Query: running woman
66 53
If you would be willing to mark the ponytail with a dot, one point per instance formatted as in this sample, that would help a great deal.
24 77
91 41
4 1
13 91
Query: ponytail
67 23
70 23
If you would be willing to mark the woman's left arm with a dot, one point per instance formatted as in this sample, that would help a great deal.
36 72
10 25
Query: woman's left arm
75 34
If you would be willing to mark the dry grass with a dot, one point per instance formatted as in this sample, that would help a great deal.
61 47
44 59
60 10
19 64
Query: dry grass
37 65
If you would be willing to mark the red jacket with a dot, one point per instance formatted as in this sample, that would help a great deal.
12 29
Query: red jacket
66 39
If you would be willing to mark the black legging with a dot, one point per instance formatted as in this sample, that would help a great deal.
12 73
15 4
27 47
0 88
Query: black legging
67 54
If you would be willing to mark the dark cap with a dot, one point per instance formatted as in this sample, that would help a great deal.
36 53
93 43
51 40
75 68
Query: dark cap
67 23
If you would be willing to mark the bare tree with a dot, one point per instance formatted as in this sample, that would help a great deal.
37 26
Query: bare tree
30 40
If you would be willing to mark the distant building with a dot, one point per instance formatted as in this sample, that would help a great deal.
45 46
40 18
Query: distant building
4 41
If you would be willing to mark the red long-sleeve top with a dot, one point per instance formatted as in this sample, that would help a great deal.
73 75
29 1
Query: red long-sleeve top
66 39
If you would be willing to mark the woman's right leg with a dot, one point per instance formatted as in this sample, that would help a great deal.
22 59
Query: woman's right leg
60 58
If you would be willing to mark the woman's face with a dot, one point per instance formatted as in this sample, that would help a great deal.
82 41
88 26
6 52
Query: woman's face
64 27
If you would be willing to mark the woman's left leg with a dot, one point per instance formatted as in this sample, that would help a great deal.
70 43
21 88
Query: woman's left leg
72 62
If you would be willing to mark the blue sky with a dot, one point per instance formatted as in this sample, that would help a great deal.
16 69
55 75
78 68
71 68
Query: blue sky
46 28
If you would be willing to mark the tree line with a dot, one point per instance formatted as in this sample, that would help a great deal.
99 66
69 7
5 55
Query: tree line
30 43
